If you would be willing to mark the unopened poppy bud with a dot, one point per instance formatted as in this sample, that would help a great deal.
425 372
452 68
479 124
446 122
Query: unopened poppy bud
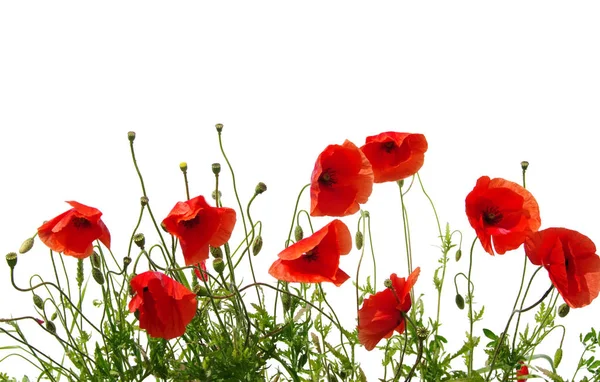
53 316
217 252
164 227
257 245
183 166
26 246
39 321
387 283
260 188
557 357
95 260
219 265
524 165
126 261
216 168
140 240
11 259
359 240
563 310
98 276
144 200
298 233
286 301
38 302
219 127
422 332
458 255
201 291
400 183
460 301
51 327
131 136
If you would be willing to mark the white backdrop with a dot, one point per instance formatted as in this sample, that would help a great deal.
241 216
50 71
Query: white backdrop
489 84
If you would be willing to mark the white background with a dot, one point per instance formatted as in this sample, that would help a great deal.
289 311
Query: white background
489 84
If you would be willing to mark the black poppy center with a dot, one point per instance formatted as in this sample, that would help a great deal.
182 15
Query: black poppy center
328 177
190 223
492 216
80 222
311 255
145 289
389 146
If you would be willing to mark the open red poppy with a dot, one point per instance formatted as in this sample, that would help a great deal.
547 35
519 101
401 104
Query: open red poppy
165 306
197 225
74 231
381 313
501 212
571 261
342 178
316 258
395 156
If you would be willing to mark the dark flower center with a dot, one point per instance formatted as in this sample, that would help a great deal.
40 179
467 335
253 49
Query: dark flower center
328 177
311 255
389 146
492 216
190 223
80 222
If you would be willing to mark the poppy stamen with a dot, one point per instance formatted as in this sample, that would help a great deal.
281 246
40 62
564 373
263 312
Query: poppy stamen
389 146
311 255
81 222
492 216
328 177
190 223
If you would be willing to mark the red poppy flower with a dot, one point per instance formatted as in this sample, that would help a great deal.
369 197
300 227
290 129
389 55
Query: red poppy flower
316 258
571 261
165 306
522 372
342 178
395 156
503 212
381 313
200 271
197 225
74 231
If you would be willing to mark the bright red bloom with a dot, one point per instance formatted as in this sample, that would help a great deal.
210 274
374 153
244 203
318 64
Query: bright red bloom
571 261
73 232
200 271
316 258
197 225
522 372
503 212
342 178
165 306
381 313
395 156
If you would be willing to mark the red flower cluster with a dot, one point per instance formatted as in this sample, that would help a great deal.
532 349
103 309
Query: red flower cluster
74 231
381 313
165 306
501 212
571 261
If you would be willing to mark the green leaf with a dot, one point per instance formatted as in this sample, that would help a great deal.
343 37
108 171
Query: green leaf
489 334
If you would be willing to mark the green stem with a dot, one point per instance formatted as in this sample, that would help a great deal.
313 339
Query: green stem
470 301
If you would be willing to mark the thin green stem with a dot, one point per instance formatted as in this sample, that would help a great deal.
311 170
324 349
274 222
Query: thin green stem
470 301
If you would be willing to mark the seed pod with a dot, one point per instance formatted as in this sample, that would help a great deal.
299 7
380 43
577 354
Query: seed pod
51 327
140 240
98 275
219 127
460 301
257 245
26 246
183 166
217 252
524 165
11 259
558 357
359 240
563 310
216 168
387 283
38 302
126 261
95 259
260 188
219 265
131 136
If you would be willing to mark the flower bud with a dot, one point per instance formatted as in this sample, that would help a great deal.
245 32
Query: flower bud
95 260
219 127
131 136
140 240
51 327
216 168
38 302
201 291
460 301
11 259
217 252
219 265
558 357
524 165
98 276
144 201
260 188
53 317
387 283
563 310
298 233
183 166
257 245
26 246
359 240
400 183
458 255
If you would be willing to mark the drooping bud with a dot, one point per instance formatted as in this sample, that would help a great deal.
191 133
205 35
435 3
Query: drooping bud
458 255
217 252
460 301
219 127
359 240
558 357
140 240
183 166
219 265
95 260
524 165
144 201
260 188
216 168
387 283
38 302
98 275
131 136
26 246
257 245
563 310
298 233
11 259
51 327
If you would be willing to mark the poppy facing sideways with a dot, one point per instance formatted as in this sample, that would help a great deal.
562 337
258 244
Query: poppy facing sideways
74 231
501 212
165 306
571 261
316 258
341 180
381 313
